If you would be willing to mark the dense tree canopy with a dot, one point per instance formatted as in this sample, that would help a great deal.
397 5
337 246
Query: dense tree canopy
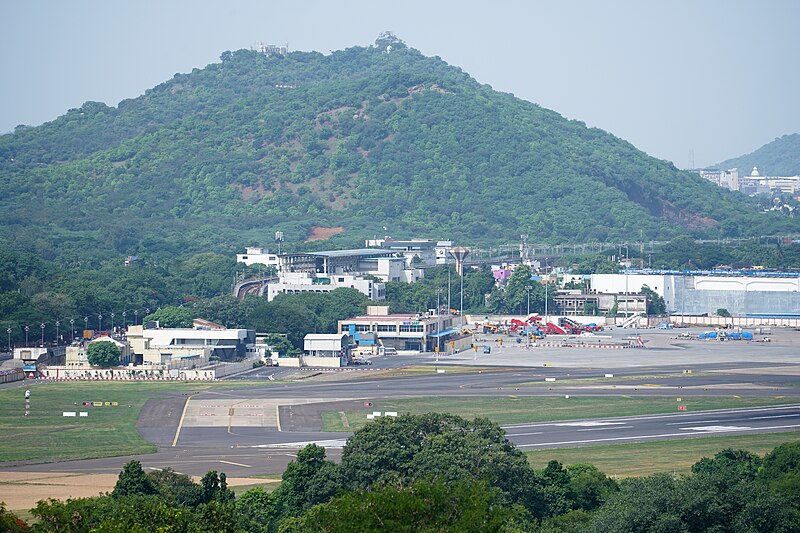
428 473
211 161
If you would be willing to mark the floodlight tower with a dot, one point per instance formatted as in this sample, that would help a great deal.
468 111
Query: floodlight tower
460 253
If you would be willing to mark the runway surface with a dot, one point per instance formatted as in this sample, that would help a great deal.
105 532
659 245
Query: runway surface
257 430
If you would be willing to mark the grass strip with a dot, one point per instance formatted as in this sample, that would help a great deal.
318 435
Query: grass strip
526 409
107 431
645 458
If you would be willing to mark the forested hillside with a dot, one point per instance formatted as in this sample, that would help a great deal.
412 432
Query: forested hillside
781 157
355 140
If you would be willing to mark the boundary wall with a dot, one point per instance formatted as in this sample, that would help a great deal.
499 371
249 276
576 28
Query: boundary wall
60 373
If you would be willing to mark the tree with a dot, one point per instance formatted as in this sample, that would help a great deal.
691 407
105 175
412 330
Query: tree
386 39
723 312
655 303
467 505
643 504
308 480
781 470
590 487
257 510
132 480
171 317
10 522
740 464
176 489
436 446
214 487
104 354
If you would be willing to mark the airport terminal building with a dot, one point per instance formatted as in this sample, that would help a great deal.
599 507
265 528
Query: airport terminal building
750 293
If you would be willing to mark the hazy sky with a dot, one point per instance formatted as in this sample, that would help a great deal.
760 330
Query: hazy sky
716 77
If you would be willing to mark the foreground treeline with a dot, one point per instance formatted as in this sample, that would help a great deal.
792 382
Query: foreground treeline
439 472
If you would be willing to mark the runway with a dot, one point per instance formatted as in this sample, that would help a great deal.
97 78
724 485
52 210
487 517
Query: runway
257 430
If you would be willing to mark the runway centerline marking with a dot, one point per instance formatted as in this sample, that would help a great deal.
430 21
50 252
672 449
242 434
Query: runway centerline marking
772 416
605 428
717 429
593 423
684 422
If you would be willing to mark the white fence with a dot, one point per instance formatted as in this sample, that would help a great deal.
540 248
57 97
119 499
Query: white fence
62 373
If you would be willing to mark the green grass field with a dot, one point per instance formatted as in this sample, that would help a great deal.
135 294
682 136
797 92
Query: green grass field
108 431
641 459
524 409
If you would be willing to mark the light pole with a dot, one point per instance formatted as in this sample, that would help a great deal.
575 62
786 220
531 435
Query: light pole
57 339
85 324
112 321
136 317
27 328
99 322
528 288
9 338
124 320
461 296
42 326
72 328
447 262
546 314
438 319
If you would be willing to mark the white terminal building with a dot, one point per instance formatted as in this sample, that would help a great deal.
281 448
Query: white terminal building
416 251
326 271
186 347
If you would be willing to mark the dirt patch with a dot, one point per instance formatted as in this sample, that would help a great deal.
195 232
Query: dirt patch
21 490
254 192
321 234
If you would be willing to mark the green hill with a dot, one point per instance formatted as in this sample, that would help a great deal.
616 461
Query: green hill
781 157
349 142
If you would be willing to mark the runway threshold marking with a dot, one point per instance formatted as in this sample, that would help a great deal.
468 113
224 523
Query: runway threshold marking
180 422
234 464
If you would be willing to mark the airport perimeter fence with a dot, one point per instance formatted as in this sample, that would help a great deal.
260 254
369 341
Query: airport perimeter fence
7 376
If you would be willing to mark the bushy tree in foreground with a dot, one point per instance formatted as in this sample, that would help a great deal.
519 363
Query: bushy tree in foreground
104 354
464 506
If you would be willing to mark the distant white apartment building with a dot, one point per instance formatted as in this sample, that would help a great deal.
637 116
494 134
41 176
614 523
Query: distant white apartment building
302 282
752 184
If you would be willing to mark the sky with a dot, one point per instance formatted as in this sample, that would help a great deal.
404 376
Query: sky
691 81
